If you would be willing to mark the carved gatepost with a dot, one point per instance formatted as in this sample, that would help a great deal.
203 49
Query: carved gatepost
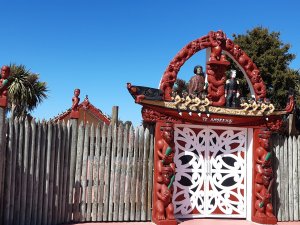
212 160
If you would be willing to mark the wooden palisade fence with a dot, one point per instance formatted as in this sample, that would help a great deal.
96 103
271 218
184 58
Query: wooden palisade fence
57 173
286 203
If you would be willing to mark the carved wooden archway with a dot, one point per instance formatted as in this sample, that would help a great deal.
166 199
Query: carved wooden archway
169 115
218 43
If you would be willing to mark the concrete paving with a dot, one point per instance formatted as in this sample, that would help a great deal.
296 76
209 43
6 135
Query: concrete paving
191 222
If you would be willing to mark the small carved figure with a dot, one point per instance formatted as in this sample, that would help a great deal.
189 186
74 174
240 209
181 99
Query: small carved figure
195 103
166 146
232 90
244 104
75 102
217 39
164 208
5 72
252 104
75 99
264 177
197 82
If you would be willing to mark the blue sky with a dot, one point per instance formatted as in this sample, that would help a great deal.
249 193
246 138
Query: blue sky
99 46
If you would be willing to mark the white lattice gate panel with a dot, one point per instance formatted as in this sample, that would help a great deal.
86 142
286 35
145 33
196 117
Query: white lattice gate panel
210 171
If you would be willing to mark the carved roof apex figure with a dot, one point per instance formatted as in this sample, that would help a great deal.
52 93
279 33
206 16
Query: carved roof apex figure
86 102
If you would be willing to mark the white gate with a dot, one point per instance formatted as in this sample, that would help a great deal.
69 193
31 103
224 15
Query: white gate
210 171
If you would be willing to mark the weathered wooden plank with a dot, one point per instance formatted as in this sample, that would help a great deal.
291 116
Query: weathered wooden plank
57 173
144 175
134 175
276 186
2 159
281 174
104 171
84 172
150 174
116 187
90 173
290 180
53 155
73 156
8 173
298 145
286 180
96 173
47 175
106 192
112 174
129 168
36 173
138 209
295 179
32 156
78 172
66 178
63 133
24 173
13 171
42 178
123 174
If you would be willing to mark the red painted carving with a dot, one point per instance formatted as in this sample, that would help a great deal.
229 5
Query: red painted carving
275 125
216 78
150 115
164 175
291 104
75 101
263 180
218 42
5 72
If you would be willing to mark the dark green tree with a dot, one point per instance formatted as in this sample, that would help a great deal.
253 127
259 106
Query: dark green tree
25 91
272 57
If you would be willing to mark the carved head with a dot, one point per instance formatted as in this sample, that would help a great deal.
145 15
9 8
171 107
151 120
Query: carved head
220 35
167 132
255 76
198 70
229 45
5 72
166 174
233 73
76 92
264 139
237 51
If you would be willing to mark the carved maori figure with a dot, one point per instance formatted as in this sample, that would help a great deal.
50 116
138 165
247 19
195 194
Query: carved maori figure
163 206
217 39
5 72
258 84
165 146
216 79
75 102
263 179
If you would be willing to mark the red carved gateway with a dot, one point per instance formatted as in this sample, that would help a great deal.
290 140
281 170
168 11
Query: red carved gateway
212 156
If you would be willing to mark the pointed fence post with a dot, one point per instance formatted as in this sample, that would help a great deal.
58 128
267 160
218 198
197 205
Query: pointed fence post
114 115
